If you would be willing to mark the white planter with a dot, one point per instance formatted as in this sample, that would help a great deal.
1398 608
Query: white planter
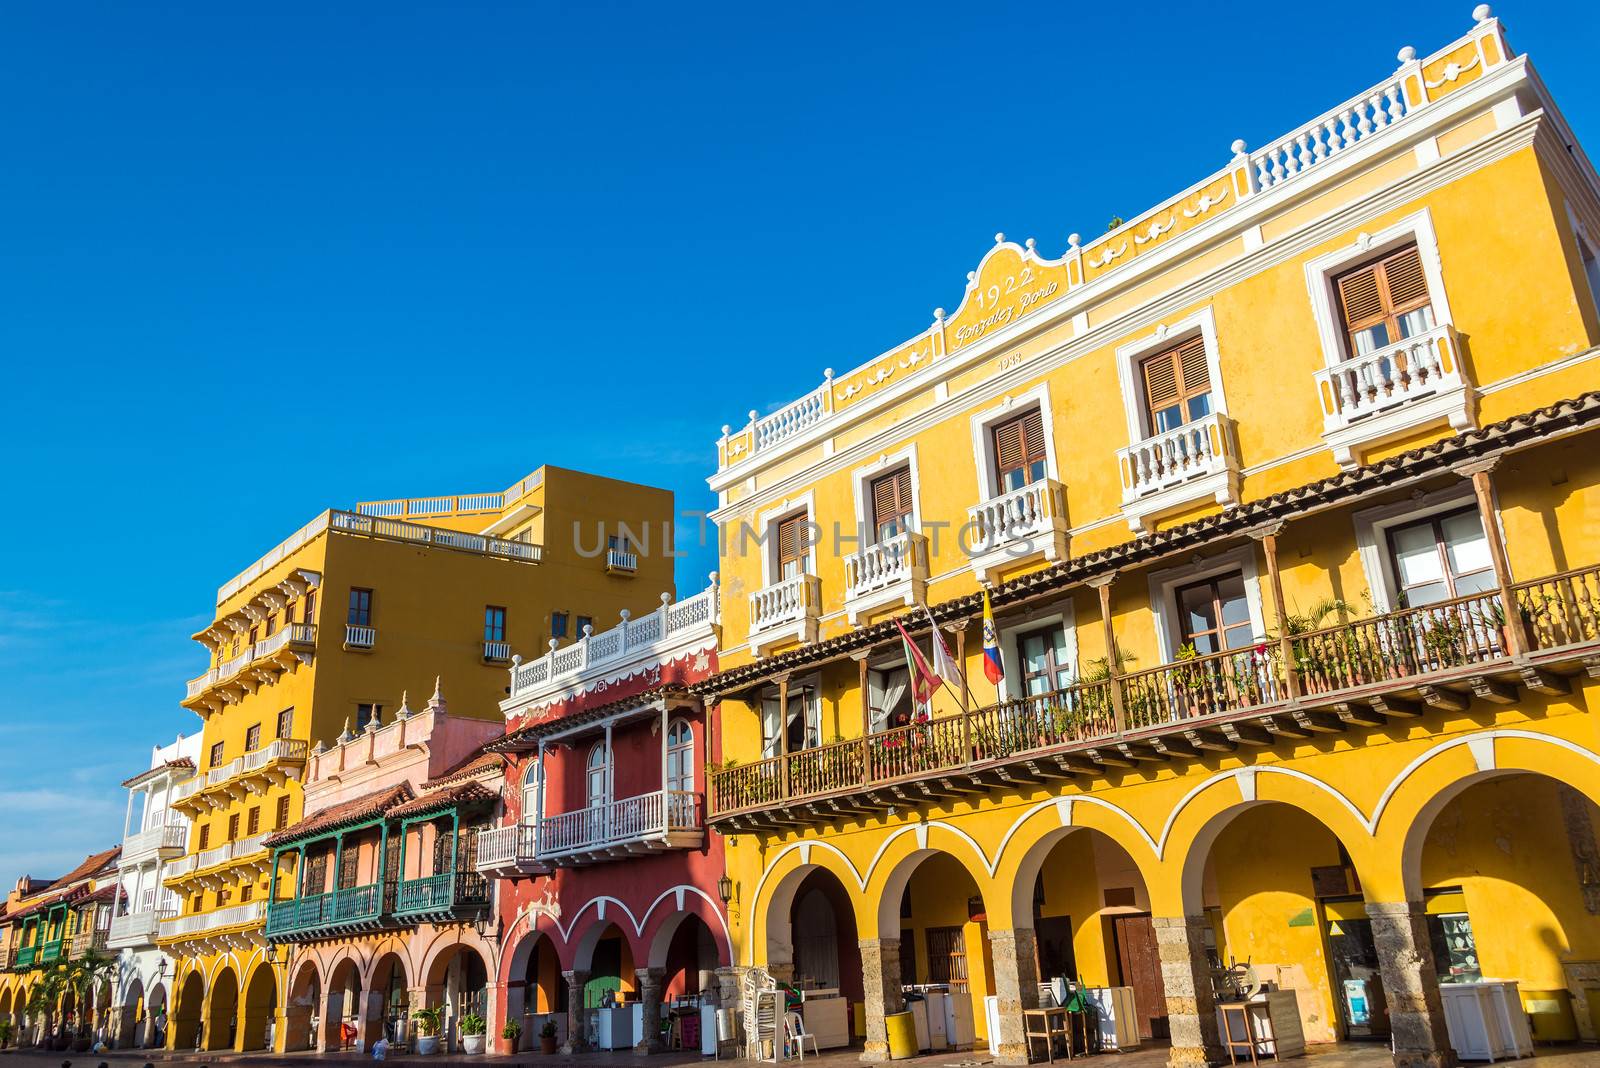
427 1044
472 1044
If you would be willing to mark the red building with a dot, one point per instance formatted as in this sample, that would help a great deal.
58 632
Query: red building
608 876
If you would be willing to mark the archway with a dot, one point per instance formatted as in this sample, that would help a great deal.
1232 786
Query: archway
302 1012
156 1022
1089 905
133 1020
341 1028
67 1013
811 932
221 1029
1278 889
686 950
389 1001
935 905
1507 868
5 1014
461 974
257 1024
536 990
184 1030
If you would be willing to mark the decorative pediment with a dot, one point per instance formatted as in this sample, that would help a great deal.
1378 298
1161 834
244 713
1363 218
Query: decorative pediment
1011 283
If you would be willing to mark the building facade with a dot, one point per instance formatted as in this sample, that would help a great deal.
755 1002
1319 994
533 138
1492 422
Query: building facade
607 879
325 635
154 833
1284 500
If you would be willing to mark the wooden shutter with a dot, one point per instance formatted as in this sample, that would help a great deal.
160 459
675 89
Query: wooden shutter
1408 286
1383 290
790 540
1176 374
891 497
1193 367
1018 443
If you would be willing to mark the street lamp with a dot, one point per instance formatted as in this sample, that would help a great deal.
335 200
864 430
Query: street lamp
725 888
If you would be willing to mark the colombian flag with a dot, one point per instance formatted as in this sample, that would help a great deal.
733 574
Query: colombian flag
993 669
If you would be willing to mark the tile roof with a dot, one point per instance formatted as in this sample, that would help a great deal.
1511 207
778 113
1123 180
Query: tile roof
92 863
468 793
356 810
478 761
181 764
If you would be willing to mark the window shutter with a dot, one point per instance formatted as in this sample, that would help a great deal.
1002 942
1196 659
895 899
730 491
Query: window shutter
1161 380
902 489
1407 284
1008 444
1192 363
1033 433
883 499
1359 297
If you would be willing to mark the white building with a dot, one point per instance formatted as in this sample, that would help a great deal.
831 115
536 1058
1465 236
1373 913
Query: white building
154 836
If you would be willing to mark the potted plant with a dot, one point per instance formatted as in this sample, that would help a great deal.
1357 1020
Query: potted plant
5 1033
427 1025
472 1029
509 1035
547 1036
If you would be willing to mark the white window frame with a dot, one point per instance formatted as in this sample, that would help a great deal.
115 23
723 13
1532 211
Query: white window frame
862 477
672 725
1591 275
1133 353
1164 586
1416 228
532 787
805 504
605 767
983 441
812 681
1372 536
1011 645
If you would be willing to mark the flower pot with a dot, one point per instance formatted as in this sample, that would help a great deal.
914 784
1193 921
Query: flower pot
547 1044
472 1044
508 1046
427 1044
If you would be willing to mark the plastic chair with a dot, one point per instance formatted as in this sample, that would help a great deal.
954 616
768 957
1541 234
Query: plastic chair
794 1027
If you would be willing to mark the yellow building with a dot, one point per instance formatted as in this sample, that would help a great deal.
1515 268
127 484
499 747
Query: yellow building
1284 493
328 632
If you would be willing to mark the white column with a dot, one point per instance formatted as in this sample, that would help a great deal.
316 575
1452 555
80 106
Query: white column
127 819
664 724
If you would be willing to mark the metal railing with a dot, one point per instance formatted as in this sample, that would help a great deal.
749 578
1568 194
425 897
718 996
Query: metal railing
442 892
632 819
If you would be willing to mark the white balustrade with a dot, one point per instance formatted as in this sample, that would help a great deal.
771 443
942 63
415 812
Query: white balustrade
795 417
232 667
272 752
137 928
179 866
202 922
1420 366
208 858
166 836
360 637
199 685
1169 459
788 601
902 558
497 651
620 823
1327 135
186 788
512 847
1013 518
245 847
621 560
225 772
626 639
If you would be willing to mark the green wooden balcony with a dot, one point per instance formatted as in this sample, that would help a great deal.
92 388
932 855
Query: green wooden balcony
329 915
27 956
52 951
442 897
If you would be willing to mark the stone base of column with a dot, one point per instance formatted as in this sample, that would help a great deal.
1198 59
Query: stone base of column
650 982
1410 985
577 1016
1016 986
880 981
1186 975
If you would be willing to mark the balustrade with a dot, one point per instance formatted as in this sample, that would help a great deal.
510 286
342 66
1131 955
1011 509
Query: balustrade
902 558
1173 457
627 821
1363 386
788 601
1016 517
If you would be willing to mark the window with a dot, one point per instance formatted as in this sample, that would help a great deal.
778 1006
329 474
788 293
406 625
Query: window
585 625
246 892
1043 654
222 898
347 867
619 543
1019 456
1591 269
252 824
285 722
360 608
310 612
233 827
205 837
272 624
1177 385
1384 302
252 738
1441 557
494 623
1214 614
947 956
288 612
597 777
216 755
804 721
253 635
198 903
794 555
558 624
890 498
680 756
283 813
368 713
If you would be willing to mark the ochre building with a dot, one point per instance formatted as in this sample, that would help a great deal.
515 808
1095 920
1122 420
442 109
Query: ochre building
1284 494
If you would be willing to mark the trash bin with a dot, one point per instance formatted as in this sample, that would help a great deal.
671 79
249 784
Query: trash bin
902 1032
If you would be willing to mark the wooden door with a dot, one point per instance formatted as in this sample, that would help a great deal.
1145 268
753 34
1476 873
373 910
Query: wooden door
1140 963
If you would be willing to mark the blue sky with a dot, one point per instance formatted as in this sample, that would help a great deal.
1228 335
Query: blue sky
257 261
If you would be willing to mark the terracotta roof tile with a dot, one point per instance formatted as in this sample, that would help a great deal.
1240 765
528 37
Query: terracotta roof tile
181 764
479 760
468 793
92 863
356 810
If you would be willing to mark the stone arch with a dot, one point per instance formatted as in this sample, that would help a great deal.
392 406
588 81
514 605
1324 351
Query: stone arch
534 984
184 1025
458 976
155 1005
303 1007
1039 830
898 859
592 953
388 996
770 938
343 1000
259 1008
221 1022
668 914
132 1016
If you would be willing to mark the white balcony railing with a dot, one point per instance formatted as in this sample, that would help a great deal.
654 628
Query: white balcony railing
1367 386
224 772
179 867
137 928
204 922
153 841
1165 460
789 601
622 560
792 418
274 751
207 858
200 684
497 652
1012 519
627 640
508 849
633 821
898 559
246 847
360 637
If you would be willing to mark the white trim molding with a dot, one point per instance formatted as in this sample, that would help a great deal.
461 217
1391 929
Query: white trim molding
893 571
1164 585
1014 526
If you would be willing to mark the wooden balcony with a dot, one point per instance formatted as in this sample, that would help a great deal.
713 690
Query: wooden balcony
1354 676
441 898
335 914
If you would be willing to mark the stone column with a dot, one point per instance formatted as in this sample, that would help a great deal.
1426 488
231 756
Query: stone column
1016 984
1186 974
880 983
1410 985
651 981
418 997
127 1028
329 1016
369 1022
577 1016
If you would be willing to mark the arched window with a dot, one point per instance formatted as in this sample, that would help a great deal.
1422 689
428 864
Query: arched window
530 791
680 756
599 775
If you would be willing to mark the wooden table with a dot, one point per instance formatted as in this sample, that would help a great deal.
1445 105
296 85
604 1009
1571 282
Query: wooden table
1048 1024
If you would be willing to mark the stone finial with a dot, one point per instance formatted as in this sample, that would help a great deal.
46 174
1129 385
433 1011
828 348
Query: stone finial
1406 54
1238 146
999 239
666 599
405 709
827 374
1482 13
320 748
1029 244
713 577
1074 239
553 644
938 314
436 703
372 724
753 415
726 429
347 734
588 631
